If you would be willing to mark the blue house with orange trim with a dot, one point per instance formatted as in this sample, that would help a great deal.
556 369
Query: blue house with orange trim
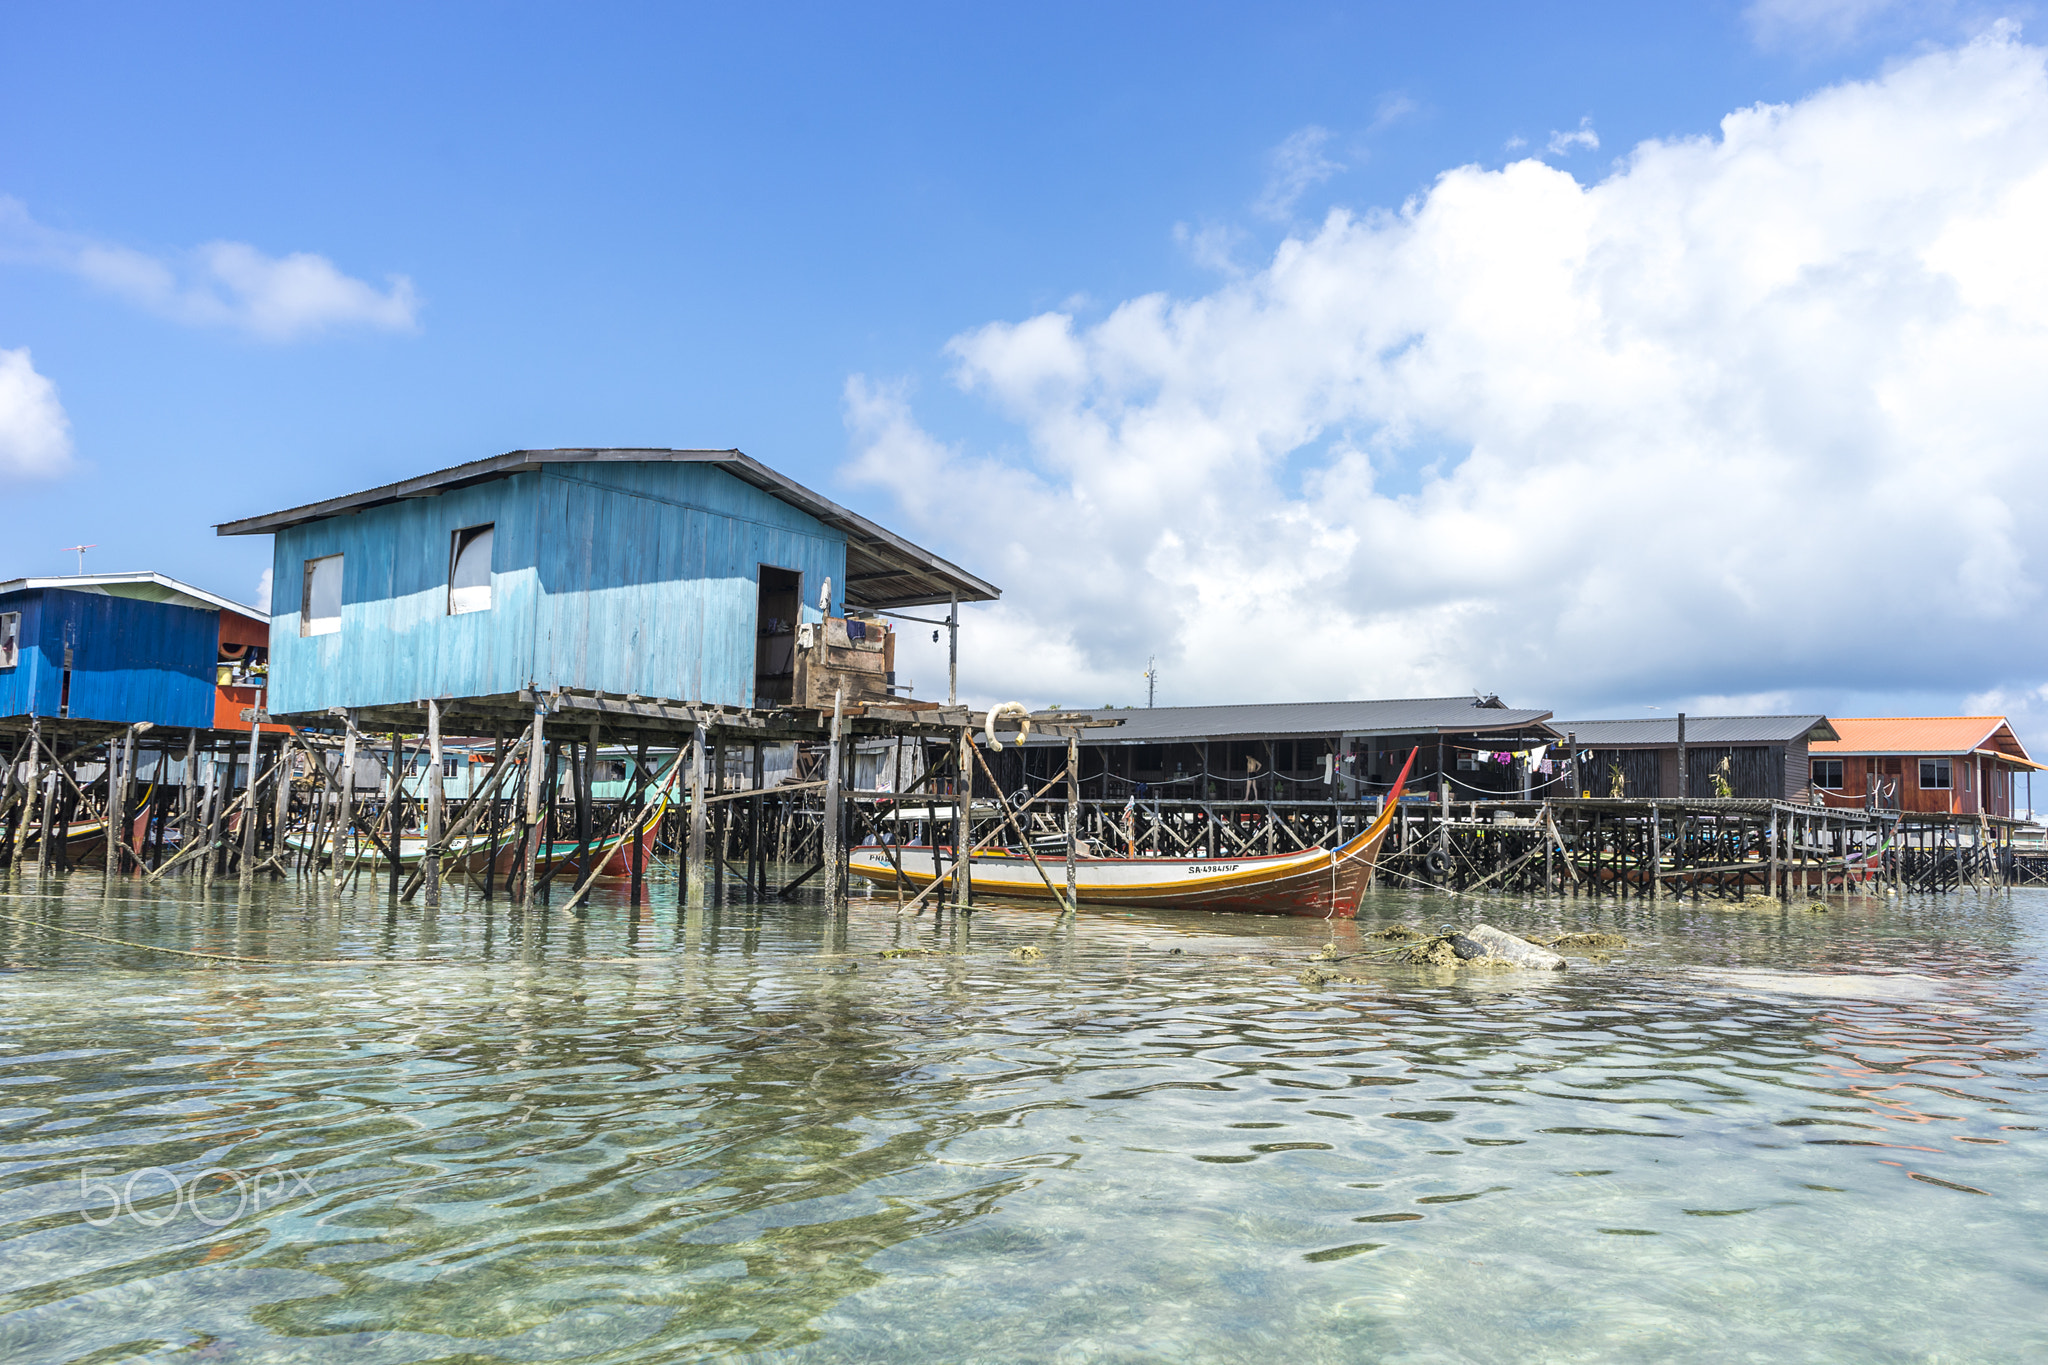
119 649
671 574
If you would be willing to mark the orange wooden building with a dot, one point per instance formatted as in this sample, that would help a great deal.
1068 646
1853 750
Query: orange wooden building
1961 765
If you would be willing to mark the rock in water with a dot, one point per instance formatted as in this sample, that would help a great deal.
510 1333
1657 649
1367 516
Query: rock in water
1508 948
1467 948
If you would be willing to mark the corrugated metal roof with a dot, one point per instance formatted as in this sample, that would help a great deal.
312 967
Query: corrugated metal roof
883 570
1698 730
1913 736
142 586
1457 715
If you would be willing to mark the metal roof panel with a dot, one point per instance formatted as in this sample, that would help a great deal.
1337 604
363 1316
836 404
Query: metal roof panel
1412 715
1915 735
1663 730
144 585
883 569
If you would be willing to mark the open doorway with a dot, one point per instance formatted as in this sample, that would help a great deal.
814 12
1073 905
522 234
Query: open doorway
775 616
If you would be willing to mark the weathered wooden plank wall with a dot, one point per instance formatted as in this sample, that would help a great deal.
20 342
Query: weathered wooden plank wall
619 577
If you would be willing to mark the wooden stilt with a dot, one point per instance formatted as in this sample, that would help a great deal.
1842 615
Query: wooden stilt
834 851
345 809
116 808
1073 822
530 826
250 816
963 817
437 795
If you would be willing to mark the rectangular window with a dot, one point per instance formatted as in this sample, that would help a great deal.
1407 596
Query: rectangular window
1827 772
320 605
10 638
450 767
1934 774
469 571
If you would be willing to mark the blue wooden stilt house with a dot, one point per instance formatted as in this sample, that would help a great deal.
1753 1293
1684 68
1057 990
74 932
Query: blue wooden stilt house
670 574
111 650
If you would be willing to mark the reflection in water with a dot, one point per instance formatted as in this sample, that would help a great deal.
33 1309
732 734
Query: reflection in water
653 1133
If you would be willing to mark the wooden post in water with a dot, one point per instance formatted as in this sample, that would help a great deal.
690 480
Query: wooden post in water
693 856
719 818
282 803
35 775
497 826
963 824
188 795
47 835
209 813
834 851
437 794
1656 852
530 826
115 806
251 813
1771 881
638 828
394 779
1073 821
345 813
758 835
585 796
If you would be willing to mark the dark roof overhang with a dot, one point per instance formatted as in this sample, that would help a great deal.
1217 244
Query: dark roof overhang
883 570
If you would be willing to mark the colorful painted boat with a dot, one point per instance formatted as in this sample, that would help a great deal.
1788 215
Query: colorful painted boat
1316 881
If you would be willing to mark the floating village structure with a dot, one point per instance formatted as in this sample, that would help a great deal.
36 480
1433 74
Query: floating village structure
548 666
1313 751
559 601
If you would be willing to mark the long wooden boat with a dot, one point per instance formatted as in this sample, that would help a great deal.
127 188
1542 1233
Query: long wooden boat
1317 881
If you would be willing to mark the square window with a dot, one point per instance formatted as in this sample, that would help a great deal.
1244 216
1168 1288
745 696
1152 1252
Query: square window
1827 773
1934 774
320 604
469 571
10 638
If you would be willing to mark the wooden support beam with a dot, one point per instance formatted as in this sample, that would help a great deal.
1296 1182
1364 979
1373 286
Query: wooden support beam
437 795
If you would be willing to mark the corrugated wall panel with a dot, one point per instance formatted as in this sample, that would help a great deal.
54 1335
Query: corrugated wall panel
131 660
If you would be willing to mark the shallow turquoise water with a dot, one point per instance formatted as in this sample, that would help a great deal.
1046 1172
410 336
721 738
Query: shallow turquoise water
649 1135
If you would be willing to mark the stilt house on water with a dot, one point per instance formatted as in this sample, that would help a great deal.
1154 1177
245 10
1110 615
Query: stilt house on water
1961 765
1306 751
699 576
1759 757
86 655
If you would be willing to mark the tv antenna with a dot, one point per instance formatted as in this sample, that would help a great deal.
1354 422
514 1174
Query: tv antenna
81 549
1151 680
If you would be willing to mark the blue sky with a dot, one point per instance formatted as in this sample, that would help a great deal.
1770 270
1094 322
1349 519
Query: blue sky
696 226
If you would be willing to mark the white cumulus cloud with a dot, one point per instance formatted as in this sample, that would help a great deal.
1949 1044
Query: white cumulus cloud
35 435
1759 413
218 284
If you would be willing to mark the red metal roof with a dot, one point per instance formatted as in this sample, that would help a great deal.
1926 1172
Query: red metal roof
1914 736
